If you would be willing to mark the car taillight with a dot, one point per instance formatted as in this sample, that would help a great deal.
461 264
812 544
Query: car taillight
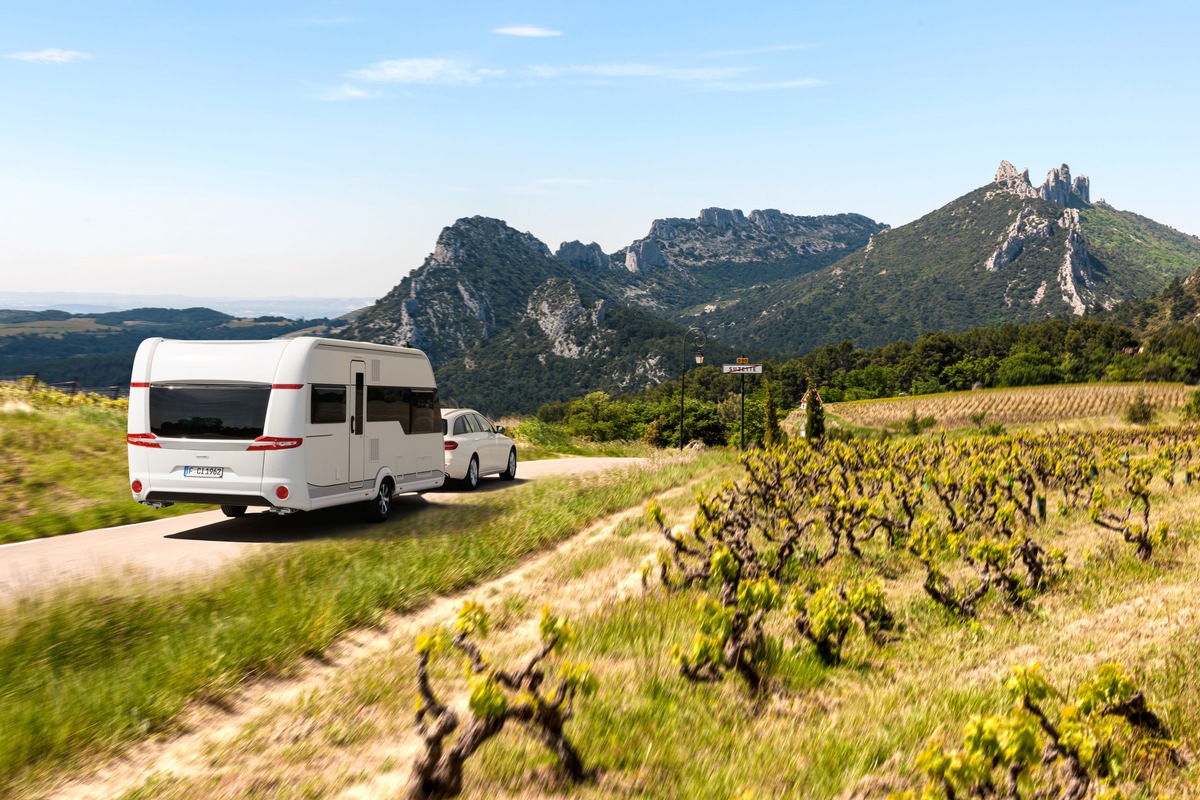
451 445
281 492
275 443
142 440
136 486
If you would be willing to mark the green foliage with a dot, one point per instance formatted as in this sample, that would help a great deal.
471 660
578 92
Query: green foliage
772 433
814 415
824 619
495 696
598 417
1139 411
1035 750
1191 411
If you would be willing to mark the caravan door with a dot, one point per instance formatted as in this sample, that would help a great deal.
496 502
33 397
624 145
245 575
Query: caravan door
358 401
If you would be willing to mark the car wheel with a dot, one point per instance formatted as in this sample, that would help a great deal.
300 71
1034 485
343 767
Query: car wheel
233 511
511 472
380 508
472 478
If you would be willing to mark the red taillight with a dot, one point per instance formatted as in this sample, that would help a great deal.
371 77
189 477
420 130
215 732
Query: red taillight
136 486
281 492
275 443
451 445
142 440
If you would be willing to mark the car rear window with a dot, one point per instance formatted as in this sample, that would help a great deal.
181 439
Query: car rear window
209 411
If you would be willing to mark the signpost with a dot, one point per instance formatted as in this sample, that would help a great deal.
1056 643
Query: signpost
743 367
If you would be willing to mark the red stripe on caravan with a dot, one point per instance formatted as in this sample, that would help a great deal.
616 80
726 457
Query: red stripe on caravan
139 386
287 385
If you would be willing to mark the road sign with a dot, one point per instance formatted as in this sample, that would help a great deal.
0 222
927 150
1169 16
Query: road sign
743 361
742 369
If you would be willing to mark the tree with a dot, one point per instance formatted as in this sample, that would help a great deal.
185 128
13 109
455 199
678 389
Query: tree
772 433
814 415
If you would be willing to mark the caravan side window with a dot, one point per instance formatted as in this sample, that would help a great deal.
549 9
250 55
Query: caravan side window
426 411
388 404
328 404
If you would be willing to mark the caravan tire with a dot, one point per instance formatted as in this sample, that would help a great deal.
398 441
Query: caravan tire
380 508
233 511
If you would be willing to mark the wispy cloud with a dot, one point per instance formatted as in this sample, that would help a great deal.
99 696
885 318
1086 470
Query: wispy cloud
425 71
345 91
51 55
532 31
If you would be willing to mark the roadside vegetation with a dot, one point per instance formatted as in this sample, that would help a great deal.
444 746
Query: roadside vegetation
63 464
97 666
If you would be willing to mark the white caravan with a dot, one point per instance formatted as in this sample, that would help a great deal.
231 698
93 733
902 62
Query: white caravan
286 424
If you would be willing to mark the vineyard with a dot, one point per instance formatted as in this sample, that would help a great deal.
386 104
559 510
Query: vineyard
1096 402
825 542
905 618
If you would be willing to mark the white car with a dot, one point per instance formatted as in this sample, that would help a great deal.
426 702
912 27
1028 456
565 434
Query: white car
475 447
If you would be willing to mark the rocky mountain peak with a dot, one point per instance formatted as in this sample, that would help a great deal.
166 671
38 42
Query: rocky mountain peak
1058 188
585 256
722 218
721 234
1015 182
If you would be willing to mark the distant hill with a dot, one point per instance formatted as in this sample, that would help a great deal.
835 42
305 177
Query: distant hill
98 349
103 302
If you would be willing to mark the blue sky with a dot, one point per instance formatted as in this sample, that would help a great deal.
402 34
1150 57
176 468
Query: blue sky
318 148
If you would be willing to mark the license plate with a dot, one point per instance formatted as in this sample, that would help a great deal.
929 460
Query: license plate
204 472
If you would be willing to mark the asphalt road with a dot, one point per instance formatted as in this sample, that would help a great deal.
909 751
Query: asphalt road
196 543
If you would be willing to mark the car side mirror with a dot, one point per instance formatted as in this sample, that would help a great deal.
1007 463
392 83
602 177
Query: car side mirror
498 428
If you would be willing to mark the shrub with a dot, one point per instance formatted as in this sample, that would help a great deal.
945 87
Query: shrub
1139 411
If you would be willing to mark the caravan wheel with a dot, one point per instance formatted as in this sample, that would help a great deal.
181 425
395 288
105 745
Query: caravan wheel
380 508
233 511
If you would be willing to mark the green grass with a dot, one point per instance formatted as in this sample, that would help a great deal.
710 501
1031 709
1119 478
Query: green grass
538 440
63 466
92 669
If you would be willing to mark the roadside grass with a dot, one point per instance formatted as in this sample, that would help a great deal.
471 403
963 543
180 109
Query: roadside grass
96 667
64 468
537 440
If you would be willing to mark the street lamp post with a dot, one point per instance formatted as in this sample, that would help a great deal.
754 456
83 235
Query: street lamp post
693 339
